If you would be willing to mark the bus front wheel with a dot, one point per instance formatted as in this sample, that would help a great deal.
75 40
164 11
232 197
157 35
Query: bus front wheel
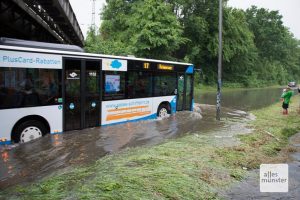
163 111
30 130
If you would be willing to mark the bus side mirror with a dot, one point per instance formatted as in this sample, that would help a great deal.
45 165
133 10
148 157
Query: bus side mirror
175 91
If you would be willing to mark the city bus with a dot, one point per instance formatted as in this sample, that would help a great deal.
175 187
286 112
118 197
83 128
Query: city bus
53 88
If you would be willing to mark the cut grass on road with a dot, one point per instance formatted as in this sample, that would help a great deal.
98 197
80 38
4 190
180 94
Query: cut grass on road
184 168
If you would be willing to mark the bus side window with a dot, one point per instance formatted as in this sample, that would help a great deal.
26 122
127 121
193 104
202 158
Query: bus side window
164 84
139 84
27 87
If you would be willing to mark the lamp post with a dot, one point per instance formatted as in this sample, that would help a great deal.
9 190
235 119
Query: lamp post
218 117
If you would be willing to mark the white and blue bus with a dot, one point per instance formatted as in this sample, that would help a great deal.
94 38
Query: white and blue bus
49 88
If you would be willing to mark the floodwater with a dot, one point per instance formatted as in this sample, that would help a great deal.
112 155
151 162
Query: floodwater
243 99
32 161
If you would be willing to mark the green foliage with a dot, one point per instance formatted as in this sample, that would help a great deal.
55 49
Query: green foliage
157 30
94 43
146 28
240 53
270 34
258 50
278 51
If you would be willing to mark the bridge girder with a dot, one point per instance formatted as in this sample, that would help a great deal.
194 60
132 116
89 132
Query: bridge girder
40 20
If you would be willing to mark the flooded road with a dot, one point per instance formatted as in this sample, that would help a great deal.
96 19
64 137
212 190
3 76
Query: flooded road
32 161
243 99
37 159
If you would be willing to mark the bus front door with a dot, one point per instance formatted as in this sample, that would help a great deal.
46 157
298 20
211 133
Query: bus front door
184 91
188 91
180 91
81 94
92 94
72 97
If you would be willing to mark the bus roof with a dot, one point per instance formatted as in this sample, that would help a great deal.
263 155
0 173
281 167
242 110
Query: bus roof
85 55
39 45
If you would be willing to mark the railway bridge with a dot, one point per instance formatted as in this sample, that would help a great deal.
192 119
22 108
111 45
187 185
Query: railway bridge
40 20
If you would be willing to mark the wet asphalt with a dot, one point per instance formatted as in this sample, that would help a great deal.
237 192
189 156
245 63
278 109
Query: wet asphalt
28 162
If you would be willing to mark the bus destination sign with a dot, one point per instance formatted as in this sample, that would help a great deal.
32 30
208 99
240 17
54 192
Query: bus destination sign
165 67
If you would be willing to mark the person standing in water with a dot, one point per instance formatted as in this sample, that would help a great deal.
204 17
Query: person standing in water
286 97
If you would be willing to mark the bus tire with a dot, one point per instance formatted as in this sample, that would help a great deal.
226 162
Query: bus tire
30 130
163 111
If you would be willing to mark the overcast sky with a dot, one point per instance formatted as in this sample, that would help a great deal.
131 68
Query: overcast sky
83 12
289 9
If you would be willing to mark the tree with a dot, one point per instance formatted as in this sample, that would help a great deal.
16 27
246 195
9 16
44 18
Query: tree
200 22
94 43
276 46
239 50
257 48
269 31
146 28
154 28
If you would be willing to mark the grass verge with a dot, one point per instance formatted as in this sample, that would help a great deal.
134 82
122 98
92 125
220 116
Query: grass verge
268 142
185 168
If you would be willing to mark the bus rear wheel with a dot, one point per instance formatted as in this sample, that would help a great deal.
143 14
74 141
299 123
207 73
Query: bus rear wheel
30 130
163 111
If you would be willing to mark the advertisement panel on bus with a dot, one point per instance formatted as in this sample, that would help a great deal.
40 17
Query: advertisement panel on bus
30 60
133 109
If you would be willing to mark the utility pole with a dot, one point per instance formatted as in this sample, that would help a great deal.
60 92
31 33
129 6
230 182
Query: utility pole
218 116
93 24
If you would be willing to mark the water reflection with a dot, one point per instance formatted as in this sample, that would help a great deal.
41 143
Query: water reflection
243 99
57 140
4 156
36 159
